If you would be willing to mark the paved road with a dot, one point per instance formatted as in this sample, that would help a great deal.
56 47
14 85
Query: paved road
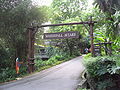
61 77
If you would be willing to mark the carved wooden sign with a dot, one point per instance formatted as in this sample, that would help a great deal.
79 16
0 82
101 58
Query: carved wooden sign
61 35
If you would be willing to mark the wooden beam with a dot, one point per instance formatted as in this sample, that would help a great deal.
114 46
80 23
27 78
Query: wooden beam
62 24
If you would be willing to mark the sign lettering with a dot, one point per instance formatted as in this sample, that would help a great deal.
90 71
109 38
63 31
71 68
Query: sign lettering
61 35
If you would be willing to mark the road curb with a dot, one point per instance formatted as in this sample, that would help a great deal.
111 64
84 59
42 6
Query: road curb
83 82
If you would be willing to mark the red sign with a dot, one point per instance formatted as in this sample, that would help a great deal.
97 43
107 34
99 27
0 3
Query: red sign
61 35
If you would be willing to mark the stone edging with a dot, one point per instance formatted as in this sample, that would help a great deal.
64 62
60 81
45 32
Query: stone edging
83 82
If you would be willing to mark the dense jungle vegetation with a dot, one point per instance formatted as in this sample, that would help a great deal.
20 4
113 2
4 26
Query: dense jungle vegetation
17 15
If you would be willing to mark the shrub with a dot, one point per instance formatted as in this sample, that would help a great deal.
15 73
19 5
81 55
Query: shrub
100 65
87 56
4 57
103 70
104 84
8 74
39 64
23 70
58 57
52 60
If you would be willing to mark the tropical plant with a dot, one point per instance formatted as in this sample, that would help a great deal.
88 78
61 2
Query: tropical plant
110 9
16 17
109 6
65 12
106 69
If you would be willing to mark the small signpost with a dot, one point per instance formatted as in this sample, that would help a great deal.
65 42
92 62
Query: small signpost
61 35
97 50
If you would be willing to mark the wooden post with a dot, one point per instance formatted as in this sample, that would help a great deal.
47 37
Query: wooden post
91 24
31 40
100 49
106 49
29 49
110 47
32 49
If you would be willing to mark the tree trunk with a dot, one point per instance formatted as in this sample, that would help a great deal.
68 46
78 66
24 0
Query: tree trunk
69 47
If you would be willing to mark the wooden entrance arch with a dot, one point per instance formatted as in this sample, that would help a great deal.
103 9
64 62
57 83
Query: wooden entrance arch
31 40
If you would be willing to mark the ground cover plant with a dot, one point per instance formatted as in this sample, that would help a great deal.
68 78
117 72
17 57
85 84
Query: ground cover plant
103 71
8 74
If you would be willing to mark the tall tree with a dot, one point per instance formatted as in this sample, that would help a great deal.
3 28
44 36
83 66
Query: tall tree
15 17
109 6
66 11
111 10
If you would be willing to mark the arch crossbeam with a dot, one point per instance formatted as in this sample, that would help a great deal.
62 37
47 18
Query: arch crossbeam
62 24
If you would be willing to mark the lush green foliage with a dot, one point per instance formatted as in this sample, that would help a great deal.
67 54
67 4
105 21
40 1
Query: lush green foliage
4 57
65 12
110 29
103 70
102 65
13 34
109 6
83 89
16 17
54 60
8 74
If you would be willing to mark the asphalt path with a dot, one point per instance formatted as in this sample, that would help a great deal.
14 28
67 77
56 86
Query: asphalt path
65 76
